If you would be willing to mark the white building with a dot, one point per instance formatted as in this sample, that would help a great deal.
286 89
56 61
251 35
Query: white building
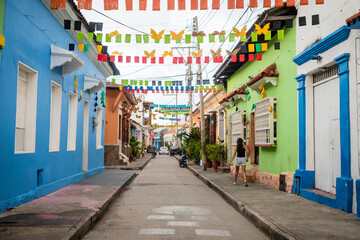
328 52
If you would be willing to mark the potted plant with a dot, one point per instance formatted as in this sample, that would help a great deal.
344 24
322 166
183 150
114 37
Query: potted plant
135 148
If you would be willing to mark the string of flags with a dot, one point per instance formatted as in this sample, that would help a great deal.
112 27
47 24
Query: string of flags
166 126
116 37
171 119
176 89
181 4
171 106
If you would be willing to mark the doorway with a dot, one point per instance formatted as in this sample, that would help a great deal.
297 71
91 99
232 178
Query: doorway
327 134
85 136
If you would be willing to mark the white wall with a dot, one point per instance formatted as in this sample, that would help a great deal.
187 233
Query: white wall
333 15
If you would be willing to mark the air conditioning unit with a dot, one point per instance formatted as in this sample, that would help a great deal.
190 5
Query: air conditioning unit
238 126
266 122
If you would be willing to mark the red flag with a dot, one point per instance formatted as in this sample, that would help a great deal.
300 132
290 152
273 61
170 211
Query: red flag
99 58
253 4
181 4
153 60
88 4
112 58
259 56
142 5
242 58
58 4
144 59
129 5
267 3
231 4
156 5
175 60
120 58
203 5
171 4
161 60
239 4
216 4
290 3
128 59
251 57
278 3
137 59
189 60
319 1
81 4
198 60
207 59
194 5
233 58
304 2
181 60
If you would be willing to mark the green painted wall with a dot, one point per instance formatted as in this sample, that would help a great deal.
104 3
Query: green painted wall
283 157
2 19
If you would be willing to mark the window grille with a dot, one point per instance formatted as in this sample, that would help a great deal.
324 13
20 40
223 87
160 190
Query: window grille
237 125
328 72
265 122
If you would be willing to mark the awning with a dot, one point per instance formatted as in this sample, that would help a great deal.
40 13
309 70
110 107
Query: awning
69 61
93 84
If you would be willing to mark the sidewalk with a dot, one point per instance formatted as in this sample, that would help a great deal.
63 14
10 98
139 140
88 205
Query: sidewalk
279 214
67 213
138 164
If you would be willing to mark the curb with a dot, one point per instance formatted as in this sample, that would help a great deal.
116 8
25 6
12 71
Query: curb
130 168
273 231
79 230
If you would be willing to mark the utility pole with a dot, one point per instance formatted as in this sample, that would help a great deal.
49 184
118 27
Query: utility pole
190 96
202 119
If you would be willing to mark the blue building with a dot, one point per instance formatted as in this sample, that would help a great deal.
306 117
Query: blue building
52 126
328 105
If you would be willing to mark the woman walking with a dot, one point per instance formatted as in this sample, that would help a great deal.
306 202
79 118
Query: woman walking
240 150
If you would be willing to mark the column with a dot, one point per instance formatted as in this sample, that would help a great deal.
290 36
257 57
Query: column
302 120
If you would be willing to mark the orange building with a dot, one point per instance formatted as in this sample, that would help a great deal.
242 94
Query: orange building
215 117
117 124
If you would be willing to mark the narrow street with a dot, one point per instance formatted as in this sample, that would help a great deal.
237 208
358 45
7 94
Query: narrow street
168 202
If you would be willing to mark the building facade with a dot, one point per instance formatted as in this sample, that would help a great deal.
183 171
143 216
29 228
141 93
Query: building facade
52 130
118 124
328 104
261 102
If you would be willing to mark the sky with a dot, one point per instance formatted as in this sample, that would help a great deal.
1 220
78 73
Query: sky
175 20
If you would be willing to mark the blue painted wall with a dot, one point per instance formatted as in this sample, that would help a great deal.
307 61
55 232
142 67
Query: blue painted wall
36 29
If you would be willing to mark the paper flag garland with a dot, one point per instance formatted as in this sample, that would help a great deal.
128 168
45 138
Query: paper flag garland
150 55
253 107
261 87
271 108
155 35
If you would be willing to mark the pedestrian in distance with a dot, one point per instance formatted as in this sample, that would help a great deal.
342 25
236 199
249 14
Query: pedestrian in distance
241 159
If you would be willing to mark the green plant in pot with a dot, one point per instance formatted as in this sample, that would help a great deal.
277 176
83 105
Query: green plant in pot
193 145
135 147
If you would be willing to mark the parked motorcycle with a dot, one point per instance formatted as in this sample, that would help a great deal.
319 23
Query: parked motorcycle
183 161
153 154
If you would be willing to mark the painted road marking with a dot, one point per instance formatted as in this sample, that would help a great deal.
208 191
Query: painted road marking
157 231
208 232
182 210
182 224
160 217
204 218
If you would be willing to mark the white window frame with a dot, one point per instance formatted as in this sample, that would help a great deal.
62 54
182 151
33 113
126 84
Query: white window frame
99 128
28 140
72 122
55 117
237 126
265 135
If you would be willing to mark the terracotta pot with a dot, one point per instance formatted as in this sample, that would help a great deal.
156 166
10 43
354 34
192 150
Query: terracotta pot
208 164
216 165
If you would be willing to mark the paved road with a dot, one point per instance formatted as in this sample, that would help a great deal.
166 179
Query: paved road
168 202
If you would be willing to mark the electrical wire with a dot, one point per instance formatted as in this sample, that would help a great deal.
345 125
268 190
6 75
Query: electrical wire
118 21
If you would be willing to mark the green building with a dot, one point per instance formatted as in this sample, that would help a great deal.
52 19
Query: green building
262 99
